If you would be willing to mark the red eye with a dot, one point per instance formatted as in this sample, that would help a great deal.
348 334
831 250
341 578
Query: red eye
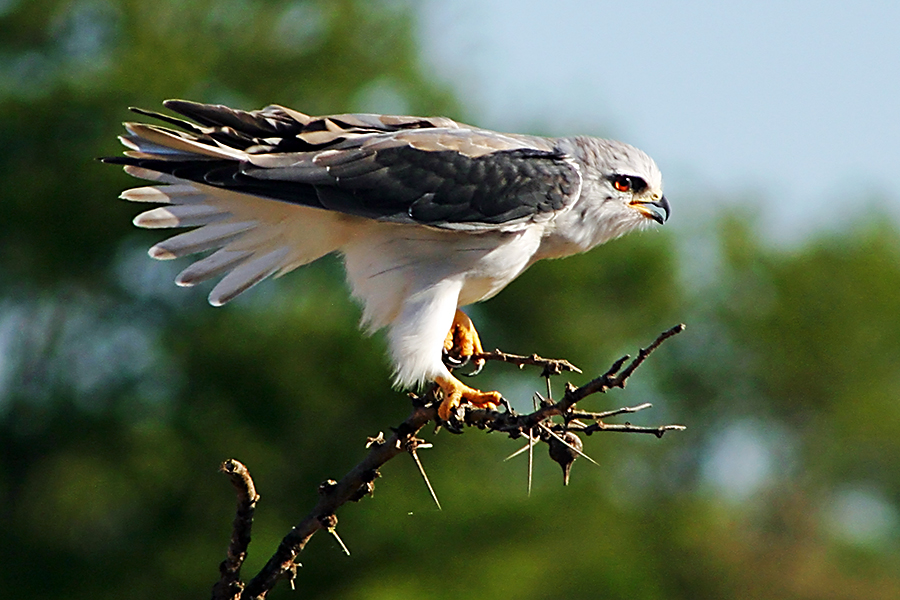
622 183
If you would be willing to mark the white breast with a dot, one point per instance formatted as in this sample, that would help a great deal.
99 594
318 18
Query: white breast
411 279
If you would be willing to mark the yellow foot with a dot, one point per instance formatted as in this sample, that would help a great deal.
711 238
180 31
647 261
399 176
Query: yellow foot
456 392
462 340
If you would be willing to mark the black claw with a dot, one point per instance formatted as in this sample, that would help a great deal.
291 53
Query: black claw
455 362
453 426
479 365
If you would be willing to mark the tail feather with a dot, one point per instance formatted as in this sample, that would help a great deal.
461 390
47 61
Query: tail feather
143 149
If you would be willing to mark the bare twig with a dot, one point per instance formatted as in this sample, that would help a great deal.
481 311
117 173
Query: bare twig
629 428
598 416
614 378
229 585
551 366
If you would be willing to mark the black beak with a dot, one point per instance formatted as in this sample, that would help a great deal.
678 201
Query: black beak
663 204
657 210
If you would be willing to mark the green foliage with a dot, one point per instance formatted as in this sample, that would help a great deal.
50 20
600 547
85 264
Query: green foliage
120 394
821 326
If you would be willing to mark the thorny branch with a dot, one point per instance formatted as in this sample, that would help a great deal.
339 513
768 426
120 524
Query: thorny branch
536 426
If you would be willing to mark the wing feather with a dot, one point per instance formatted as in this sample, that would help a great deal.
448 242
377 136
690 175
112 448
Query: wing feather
246 275
426 171
164 194
184 215
242 230
220 261
198 240
270 190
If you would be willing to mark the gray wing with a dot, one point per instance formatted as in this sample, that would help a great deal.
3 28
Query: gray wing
429 171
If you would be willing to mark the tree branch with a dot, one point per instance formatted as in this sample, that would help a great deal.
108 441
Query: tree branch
359 482
354 486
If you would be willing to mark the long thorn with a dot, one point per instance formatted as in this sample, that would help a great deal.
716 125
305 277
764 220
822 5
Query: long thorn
412 452
531 441
517 452
334 532
530 461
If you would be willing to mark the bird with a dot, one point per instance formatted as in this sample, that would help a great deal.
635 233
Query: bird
428 214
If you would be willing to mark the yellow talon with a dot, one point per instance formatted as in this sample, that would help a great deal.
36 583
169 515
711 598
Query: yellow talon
462 340
456 392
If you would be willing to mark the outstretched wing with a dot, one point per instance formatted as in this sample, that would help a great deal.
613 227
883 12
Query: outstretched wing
426 171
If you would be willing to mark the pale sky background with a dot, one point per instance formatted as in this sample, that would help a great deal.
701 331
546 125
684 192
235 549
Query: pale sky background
794 105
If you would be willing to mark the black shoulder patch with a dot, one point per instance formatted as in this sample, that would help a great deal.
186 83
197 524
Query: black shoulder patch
406 185
446 188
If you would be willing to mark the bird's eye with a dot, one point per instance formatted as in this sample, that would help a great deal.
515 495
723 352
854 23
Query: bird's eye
628 183
622 183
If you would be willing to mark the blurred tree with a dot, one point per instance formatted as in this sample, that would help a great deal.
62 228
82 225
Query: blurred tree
120 394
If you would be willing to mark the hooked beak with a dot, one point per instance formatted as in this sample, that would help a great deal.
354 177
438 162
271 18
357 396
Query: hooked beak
657 210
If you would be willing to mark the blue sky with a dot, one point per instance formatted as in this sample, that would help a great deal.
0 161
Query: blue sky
793 105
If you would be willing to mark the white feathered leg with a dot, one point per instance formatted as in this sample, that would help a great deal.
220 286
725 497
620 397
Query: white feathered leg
425 318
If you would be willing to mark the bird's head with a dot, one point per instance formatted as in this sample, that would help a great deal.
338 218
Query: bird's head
630 183
621 191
